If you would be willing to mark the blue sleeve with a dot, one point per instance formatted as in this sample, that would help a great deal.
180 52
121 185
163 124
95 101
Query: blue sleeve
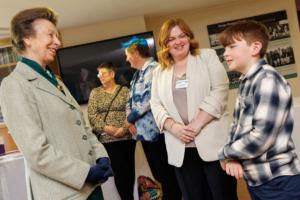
142 95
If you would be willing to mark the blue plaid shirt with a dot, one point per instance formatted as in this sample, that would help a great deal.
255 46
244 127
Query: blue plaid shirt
260 136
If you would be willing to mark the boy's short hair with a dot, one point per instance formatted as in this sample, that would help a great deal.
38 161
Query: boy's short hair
251 31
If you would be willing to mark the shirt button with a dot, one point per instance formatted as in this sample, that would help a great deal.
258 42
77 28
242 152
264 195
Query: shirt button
84 137
78 122
90 152
72 107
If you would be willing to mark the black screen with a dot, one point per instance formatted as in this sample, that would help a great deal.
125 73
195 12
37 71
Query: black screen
78 64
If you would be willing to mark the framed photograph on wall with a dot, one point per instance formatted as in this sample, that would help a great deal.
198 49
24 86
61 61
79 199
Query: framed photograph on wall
279 54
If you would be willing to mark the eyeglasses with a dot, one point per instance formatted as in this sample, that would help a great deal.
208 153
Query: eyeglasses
102 74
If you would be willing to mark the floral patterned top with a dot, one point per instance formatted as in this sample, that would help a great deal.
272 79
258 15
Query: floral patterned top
138 106
98 107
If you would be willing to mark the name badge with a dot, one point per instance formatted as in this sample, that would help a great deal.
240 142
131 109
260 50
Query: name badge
182 84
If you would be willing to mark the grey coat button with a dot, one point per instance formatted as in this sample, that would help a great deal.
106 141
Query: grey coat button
90 152
78 122
84 137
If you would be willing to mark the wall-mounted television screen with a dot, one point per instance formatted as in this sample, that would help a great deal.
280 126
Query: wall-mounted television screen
78 64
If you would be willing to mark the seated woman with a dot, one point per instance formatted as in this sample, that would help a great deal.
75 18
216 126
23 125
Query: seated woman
106 113
189 98
44 119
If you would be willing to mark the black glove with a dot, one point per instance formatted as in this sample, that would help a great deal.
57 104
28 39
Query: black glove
100 172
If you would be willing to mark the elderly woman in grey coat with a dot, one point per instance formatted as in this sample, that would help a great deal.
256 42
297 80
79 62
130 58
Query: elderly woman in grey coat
64 159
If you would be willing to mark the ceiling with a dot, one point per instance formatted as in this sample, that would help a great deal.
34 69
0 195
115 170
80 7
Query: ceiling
76 13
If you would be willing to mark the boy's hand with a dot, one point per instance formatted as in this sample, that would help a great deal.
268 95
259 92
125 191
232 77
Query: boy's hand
234 168
223 165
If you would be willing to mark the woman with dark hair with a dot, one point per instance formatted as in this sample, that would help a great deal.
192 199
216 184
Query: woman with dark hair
140 121
44 119
106 113
189 98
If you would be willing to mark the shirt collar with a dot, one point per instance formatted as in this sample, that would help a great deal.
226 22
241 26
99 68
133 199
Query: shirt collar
147 63
253 69
37 67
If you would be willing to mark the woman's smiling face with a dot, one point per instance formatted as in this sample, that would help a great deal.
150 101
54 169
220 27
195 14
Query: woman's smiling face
43 45
179 45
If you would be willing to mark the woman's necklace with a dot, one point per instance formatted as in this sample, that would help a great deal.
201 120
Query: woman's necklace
179 69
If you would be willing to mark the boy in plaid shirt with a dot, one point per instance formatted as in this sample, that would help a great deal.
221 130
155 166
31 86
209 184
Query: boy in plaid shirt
260 146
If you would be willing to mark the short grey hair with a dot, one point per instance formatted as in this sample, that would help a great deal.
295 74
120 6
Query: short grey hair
109 66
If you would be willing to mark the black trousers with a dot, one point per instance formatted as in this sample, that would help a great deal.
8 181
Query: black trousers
121 155
200 180
157 157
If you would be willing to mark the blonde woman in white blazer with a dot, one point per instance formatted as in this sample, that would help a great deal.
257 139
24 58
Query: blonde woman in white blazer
189 98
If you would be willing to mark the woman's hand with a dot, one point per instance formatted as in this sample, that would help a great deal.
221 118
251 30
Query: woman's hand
184 133
130 126
127 124
110 130
201 120
119 133
196 126
132 129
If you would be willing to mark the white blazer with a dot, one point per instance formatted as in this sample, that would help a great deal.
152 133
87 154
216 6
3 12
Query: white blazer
207 90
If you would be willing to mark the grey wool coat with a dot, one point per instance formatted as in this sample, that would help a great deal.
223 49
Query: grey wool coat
50 131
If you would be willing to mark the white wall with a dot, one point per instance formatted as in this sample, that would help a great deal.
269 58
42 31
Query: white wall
103 31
